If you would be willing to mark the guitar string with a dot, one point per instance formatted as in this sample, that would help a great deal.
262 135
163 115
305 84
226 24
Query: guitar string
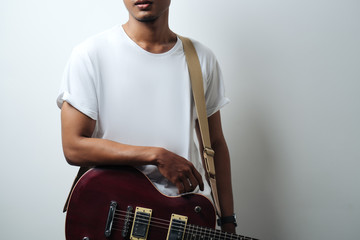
140 220
180 227
193 234
132 214
213 233
167 222
162 226
144 220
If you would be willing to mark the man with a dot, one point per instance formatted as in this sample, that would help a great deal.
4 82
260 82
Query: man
126 100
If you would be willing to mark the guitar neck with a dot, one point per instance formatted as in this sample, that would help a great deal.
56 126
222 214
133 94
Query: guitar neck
193 232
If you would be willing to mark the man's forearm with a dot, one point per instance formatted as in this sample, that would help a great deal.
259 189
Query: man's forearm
222 167
94 151
223 182
223 178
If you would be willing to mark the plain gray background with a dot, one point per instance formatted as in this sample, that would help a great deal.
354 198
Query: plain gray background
291 69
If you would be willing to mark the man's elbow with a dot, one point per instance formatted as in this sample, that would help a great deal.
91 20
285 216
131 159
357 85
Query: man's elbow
72 156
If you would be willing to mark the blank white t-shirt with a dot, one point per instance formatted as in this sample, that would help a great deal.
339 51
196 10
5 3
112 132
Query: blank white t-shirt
140 98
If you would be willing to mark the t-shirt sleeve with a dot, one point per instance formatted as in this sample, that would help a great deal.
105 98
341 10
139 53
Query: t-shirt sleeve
215 89
78 84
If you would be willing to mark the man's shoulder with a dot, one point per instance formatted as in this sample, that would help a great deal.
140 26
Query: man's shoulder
206 56
203 51
99 40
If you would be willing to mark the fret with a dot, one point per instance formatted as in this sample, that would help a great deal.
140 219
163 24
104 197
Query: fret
218 234
196 233
233 236
190 232
211 234
206 235
214 235
186 236
193 235
200 233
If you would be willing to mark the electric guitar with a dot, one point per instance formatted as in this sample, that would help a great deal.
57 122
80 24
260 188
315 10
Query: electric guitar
121 203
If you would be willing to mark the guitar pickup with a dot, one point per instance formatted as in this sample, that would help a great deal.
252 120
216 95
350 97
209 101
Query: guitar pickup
177 227
141 224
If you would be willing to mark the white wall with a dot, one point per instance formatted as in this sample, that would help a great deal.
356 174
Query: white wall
292 72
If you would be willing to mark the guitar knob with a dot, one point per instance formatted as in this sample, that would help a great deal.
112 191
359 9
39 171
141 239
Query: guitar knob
197 209
86 238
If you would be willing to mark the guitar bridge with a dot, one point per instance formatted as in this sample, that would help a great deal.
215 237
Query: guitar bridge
110 218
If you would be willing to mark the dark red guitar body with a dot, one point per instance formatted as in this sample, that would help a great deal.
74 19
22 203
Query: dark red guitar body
89 204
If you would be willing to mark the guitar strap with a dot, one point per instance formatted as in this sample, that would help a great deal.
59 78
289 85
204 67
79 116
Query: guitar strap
197 85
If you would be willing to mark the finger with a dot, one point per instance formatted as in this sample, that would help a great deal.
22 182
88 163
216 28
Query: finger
180 187
199 179
193 182
188 186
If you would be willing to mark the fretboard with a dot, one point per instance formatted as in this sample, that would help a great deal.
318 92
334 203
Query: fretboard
193 232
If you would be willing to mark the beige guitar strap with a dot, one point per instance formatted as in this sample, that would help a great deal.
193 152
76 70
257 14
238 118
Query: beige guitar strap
199 99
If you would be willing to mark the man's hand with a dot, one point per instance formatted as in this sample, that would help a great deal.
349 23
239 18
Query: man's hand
179 171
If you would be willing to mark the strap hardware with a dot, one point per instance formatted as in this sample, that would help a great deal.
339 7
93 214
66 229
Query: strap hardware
209 162
208 152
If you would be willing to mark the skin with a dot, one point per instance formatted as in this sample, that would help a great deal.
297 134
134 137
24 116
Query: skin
149 29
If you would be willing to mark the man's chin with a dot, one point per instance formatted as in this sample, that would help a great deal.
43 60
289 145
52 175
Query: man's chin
145 17
148 19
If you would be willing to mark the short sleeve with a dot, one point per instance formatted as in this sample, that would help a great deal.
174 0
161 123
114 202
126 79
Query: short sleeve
215 89
78 84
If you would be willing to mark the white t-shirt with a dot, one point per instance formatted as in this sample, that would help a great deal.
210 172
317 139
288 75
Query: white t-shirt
141 98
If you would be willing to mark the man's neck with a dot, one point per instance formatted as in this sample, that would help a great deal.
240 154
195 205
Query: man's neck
155 36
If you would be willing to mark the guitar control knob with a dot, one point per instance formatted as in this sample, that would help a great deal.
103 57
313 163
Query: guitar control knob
197 209
86 238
